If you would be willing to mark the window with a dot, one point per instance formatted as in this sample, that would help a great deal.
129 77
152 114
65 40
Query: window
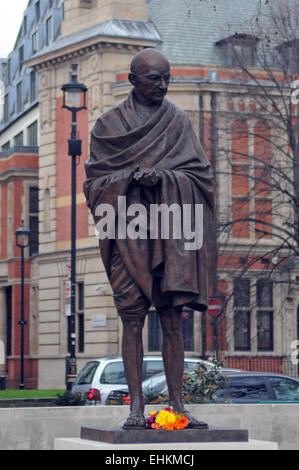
155 336
25 26
289 52
241 293
248 388
6 146
247 313
8 72
242 314
151 368
34 42
86 374
19 139
21 57
32 86
49 30
80 315
264 294
32 134
33 220
19 98
242 330
239 50
285 389
6 108
114 373
37 11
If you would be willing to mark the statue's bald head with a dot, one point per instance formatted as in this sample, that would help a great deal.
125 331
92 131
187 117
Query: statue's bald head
148 58
150 76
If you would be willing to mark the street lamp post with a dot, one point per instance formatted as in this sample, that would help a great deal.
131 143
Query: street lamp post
74 100
22 241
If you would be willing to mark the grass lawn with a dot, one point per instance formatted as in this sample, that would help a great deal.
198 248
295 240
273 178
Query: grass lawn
7 394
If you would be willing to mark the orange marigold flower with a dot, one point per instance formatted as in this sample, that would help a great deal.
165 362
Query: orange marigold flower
185 421
182 423
179 425
169 426
156 426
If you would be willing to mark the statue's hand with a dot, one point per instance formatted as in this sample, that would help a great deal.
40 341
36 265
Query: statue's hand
147 176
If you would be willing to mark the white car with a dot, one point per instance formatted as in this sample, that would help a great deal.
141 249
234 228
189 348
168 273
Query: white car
100 376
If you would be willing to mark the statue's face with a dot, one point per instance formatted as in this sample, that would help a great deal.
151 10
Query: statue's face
151 77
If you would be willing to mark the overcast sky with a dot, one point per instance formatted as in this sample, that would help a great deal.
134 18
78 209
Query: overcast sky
11 14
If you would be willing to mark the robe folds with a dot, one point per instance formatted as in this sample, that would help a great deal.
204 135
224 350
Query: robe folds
122 141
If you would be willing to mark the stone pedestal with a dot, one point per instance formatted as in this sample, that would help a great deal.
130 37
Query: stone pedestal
149 436
84 444
118 439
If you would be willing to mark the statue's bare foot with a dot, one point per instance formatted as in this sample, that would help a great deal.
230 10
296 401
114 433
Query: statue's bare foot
179 407
135 421
193 422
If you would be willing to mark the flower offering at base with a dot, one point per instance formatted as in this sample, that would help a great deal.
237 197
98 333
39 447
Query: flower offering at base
167 420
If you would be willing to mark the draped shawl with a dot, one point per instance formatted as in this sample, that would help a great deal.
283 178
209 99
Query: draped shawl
120 141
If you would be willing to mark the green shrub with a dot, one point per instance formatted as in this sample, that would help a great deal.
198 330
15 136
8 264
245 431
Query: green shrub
201 385
69 399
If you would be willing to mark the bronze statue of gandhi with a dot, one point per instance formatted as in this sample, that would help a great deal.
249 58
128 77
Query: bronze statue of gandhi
145 151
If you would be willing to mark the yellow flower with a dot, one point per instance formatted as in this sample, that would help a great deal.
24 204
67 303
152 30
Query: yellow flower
165 417
168 419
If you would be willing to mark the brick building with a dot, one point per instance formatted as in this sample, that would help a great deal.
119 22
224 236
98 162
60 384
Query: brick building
102 36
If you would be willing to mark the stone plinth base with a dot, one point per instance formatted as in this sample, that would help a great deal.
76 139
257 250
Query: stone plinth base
83 444
112 439
147 436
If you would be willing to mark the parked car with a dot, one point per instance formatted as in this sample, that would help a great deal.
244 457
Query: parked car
99 376
258 387
241 387
155 385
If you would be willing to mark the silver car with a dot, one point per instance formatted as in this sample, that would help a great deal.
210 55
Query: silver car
241 387
100 376
156 385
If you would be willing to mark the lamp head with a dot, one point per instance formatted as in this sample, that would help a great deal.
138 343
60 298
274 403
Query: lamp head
22 236
74 92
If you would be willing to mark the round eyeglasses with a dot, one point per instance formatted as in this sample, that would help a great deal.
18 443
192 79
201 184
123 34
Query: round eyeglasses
155 78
